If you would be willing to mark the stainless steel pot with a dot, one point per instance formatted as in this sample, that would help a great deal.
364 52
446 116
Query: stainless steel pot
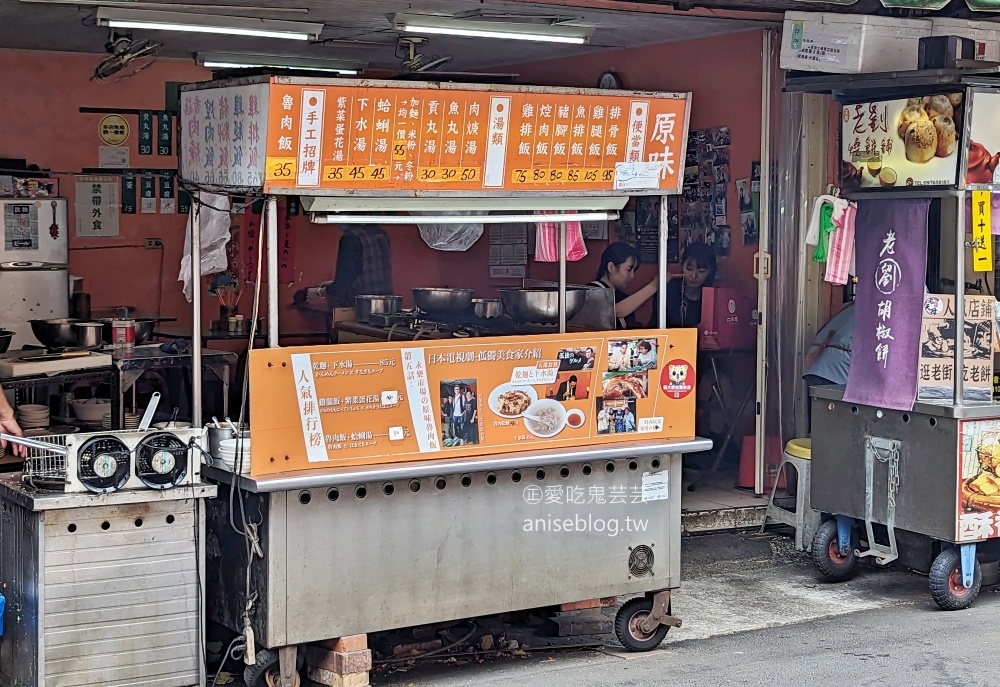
540 304
442 301
487 308
366 306
58 333
217 434
89 334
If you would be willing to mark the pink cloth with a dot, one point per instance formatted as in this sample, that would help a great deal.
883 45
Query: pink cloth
841 256
547 241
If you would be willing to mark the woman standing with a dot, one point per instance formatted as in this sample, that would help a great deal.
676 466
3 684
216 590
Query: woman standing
618 265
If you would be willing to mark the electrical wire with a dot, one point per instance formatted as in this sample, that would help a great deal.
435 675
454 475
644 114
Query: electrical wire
232 652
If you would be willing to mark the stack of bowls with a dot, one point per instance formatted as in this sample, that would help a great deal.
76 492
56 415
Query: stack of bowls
132 421
227 454
33 416
91 410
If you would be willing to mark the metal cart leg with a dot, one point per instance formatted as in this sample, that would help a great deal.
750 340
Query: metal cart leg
660 615
844 527
968 552
286 664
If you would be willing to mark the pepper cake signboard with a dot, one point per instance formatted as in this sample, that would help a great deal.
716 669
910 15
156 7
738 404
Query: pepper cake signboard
900 143
369 404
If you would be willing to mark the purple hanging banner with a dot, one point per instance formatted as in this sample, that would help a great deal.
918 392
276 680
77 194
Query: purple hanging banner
891 255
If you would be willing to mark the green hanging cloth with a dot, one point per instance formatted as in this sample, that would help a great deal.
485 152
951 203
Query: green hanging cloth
825 229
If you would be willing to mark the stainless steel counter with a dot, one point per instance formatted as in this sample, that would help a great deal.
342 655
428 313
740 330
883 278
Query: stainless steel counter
339 476
970 410
12 488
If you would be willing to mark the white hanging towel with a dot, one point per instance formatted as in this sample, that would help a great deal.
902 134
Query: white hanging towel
214 237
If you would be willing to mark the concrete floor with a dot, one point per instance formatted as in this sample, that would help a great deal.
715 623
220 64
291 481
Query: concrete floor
762 617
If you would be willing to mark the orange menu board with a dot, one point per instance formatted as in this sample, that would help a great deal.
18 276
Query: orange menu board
363 404
384 136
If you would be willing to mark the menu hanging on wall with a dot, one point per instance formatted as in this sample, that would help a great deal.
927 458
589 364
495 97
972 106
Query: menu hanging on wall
900 143
367 404
386 136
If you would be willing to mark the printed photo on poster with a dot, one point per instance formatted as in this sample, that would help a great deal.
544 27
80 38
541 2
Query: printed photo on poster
510 401
748 221
745 195
720 136
979 480
616 416
755 177
625 385
459 413
721 175
546 418
632 355
721 156
570 386
577 358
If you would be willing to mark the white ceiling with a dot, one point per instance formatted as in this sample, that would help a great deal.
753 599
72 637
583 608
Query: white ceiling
358 30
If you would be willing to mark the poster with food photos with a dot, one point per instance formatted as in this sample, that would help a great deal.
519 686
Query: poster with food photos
360 404
899 143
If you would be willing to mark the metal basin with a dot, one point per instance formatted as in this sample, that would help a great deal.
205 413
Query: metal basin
59 333
540 304
366 306
143 330
487 308
442 301
89 334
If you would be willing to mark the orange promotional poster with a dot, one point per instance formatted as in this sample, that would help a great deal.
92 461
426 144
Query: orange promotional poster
363 404
387 136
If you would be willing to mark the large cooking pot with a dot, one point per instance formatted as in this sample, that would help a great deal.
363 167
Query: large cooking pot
442 301
366 306
58 333
540 304
143 329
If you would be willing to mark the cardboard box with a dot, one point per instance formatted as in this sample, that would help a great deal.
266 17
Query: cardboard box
850 43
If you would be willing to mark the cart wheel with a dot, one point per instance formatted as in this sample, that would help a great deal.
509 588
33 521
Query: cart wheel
627 627
265 672
832 564
946 585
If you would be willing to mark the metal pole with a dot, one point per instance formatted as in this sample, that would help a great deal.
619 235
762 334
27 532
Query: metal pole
960 300
661 263
271 246
562 277
196 312
767 64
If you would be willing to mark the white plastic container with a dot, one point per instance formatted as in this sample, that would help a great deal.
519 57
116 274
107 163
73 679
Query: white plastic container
850 43
986 34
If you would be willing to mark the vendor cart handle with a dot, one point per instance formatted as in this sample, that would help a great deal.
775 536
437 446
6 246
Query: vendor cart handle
44 446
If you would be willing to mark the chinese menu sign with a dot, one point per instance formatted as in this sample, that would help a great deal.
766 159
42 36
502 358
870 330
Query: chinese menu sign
891 248
343 137
222 140
937 348
979 481
900 143
366 404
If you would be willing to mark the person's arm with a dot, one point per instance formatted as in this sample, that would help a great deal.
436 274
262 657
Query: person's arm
630 304
8 424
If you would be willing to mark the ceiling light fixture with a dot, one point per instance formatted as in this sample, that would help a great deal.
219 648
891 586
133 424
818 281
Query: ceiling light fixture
243 61
446 26
206 23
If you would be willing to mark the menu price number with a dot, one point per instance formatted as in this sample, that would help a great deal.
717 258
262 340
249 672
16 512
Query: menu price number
399 150
448 174
279 168
562 176
348 173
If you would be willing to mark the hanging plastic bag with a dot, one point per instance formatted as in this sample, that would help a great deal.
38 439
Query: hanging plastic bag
451 237
214 225
547 241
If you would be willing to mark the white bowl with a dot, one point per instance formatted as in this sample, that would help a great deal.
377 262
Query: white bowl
91 409
545 404
172 425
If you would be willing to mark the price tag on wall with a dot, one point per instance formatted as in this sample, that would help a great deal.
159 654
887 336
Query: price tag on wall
982 237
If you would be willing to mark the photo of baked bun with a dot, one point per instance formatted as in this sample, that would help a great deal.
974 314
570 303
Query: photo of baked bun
921 141
928 127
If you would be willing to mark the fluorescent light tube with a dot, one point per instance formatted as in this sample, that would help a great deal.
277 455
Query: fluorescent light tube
445 26
248 61
206 23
